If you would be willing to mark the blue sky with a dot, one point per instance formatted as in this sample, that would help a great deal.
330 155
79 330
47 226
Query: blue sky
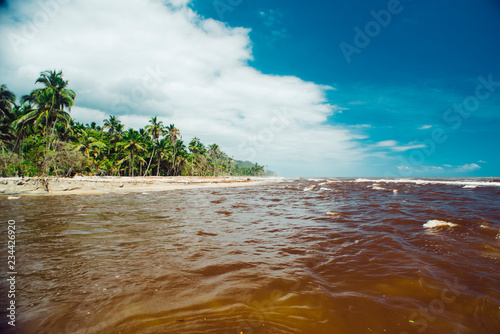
281 84
424 61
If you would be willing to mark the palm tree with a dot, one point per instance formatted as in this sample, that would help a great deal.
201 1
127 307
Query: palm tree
95 127
115 129
49 103
163 148
181 161
215 152
111 124
194 149
230 164
20 129
180 157
155 130
7 101
89 146
7 106
173 134
54 83
133 144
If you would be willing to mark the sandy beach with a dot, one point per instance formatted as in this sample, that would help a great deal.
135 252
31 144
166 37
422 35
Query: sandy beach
97 185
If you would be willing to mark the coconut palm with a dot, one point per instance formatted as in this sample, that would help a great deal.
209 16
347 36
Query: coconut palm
112 124
7 105
181 157
194 146
215 153
89 146
163 149
155 130
7 101
20 129
115 129
54 83
49 103
133 144
173 134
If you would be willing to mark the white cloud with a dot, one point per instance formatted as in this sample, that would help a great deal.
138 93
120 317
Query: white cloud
462 168
179 3
87 115
394 145
468 168
357 103
431 169
271 17
407 147
403 168
140 58
424 127
362 126
387 143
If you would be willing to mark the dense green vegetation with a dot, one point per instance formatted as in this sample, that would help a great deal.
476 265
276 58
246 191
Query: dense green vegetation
38 137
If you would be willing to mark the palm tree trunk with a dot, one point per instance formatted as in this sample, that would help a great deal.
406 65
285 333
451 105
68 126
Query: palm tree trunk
159 162
18 142
150 159
131 173
52 131
173 164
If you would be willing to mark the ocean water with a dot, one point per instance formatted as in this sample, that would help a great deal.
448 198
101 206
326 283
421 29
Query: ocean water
295 256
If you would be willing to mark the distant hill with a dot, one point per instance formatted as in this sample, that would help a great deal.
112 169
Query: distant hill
248 165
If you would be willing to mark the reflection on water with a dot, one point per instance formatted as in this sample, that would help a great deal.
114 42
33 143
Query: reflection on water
300 256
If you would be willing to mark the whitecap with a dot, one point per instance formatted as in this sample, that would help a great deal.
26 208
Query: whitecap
438 223
466 182
13 197
325 188
378 188
364 180
469 186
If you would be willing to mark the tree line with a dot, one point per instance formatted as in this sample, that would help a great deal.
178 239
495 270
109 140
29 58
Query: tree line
38 137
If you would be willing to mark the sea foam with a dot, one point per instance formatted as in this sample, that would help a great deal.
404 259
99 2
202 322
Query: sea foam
438 223
465 183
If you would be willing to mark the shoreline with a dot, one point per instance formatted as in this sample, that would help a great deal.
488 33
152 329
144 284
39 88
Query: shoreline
92 185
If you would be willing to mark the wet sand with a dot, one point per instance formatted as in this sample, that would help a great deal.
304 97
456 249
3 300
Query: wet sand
99 185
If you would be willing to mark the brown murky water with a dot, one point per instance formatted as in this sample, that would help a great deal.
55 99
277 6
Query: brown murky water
299 256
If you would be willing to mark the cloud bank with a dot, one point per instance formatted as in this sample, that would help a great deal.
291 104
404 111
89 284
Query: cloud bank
142 58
